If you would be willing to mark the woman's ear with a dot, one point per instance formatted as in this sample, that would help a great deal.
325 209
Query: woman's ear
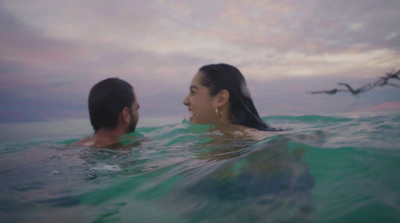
222 97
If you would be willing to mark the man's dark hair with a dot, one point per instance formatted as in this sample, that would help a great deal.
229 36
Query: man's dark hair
217 77
106 101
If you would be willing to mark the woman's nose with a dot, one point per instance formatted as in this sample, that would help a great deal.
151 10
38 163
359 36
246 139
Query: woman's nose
186 101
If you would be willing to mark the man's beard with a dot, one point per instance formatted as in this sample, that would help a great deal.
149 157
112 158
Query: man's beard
132 125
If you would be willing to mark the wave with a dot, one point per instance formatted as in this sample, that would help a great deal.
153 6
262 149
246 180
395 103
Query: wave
306 118
329 169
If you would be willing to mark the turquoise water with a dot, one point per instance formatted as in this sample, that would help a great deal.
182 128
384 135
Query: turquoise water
326 169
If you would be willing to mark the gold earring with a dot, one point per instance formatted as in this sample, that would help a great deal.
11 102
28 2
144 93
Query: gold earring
218 113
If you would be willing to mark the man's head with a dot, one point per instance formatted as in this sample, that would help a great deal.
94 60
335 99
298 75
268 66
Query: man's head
112 102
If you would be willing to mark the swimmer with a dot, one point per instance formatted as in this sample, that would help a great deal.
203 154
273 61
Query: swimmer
218 95
113 111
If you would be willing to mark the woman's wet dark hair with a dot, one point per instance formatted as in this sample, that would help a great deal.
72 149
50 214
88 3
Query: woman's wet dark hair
217 77
106 101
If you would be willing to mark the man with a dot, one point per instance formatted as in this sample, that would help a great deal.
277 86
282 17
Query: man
113 111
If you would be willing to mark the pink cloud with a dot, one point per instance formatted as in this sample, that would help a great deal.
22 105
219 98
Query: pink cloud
386 106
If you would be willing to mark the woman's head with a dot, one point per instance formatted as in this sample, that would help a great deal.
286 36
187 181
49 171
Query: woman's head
218 93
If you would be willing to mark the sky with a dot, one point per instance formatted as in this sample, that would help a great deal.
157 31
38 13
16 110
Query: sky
53 52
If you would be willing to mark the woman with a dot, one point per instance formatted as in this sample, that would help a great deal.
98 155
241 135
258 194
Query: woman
219 95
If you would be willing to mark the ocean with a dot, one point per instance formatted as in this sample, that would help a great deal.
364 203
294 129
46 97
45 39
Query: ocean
327 168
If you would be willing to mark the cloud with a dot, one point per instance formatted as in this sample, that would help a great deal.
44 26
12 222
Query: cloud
386 106
32 58
56 51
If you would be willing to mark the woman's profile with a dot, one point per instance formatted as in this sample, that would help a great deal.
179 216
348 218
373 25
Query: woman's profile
218 94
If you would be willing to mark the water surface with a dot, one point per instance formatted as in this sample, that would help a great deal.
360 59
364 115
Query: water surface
326 169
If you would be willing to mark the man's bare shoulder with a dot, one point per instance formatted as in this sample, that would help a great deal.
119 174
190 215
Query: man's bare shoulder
96 141
87 142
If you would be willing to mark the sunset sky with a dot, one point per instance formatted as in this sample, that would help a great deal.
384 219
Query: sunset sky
53 52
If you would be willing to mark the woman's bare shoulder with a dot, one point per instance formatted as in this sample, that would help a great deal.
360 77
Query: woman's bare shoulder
242 132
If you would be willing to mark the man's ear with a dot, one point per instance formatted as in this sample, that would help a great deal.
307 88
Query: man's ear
125 115
222 97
